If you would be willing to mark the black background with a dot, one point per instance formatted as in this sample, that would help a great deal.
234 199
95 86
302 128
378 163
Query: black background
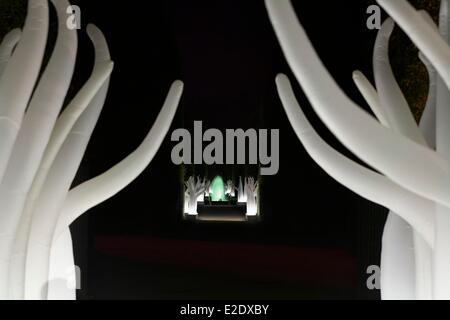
227 55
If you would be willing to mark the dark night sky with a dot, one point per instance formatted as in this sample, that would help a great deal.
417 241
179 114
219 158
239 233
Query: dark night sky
227 55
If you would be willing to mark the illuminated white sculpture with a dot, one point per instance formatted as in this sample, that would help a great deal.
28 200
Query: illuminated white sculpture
40 152
194 192
414 178
230 189
242 196
251 194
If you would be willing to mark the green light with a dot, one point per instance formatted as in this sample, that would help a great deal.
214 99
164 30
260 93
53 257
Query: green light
217 189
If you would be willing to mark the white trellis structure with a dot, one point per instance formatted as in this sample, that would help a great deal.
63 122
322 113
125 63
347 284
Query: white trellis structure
41 150
412 176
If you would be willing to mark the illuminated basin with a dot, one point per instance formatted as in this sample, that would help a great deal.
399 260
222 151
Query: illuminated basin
217 201
222 212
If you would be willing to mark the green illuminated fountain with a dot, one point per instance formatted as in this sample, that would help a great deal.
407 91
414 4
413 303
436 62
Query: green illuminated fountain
217 189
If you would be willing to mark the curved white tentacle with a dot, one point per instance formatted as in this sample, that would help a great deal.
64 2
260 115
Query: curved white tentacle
422 33
424 254
7 46
443 93
63 274
75 109
397 282
370 95
441 258
401 288
57 184
16 86
393 266
103 187
391 97
60 132
289 23
409 164
19 77
402 121
368 184
428 119
36 128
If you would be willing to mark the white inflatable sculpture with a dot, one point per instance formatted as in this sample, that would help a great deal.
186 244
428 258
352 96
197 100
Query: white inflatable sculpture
194 192
242 196
251 194
40 153
230 189
411 163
